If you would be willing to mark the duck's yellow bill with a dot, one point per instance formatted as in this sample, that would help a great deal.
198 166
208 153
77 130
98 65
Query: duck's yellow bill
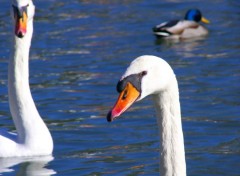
204 20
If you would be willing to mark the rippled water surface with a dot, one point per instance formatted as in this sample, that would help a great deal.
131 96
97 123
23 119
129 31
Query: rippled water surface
79 51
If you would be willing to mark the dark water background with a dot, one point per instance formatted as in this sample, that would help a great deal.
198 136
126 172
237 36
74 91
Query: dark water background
79 51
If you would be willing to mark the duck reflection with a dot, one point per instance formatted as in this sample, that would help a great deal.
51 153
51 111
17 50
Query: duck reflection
27 166
183 47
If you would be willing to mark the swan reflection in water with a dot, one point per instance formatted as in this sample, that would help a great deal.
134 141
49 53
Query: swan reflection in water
27 166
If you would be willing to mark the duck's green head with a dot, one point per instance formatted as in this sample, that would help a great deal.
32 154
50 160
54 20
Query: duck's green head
195 15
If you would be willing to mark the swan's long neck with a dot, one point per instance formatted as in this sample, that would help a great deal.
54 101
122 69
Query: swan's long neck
29 125
172 155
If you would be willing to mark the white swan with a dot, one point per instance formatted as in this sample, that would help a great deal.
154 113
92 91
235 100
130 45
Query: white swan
33 137
150 75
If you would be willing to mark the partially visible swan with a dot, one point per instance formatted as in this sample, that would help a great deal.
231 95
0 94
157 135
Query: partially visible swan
33 137
150 75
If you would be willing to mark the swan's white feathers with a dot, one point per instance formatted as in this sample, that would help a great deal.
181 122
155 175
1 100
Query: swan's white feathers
25 3
154 66
33 137
21 3
160 82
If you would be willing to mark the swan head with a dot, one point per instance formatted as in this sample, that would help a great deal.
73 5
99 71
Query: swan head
22 13
146 75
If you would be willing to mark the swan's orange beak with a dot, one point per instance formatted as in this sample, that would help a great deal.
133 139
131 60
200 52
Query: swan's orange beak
126 98
21 24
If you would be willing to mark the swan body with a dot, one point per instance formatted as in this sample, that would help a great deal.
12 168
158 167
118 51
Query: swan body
151 75
187 28
33 137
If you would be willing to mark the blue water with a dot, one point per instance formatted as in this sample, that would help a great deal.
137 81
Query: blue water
79 51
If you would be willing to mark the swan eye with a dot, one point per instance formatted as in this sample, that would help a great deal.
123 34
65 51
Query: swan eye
134 79
18 12
15 11
143 73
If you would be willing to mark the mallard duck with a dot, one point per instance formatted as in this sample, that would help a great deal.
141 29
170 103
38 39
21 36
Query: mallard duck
186 28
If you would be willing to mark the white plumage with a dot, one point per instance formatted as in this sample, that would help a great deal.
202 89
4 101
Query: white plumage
33 137
158 80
